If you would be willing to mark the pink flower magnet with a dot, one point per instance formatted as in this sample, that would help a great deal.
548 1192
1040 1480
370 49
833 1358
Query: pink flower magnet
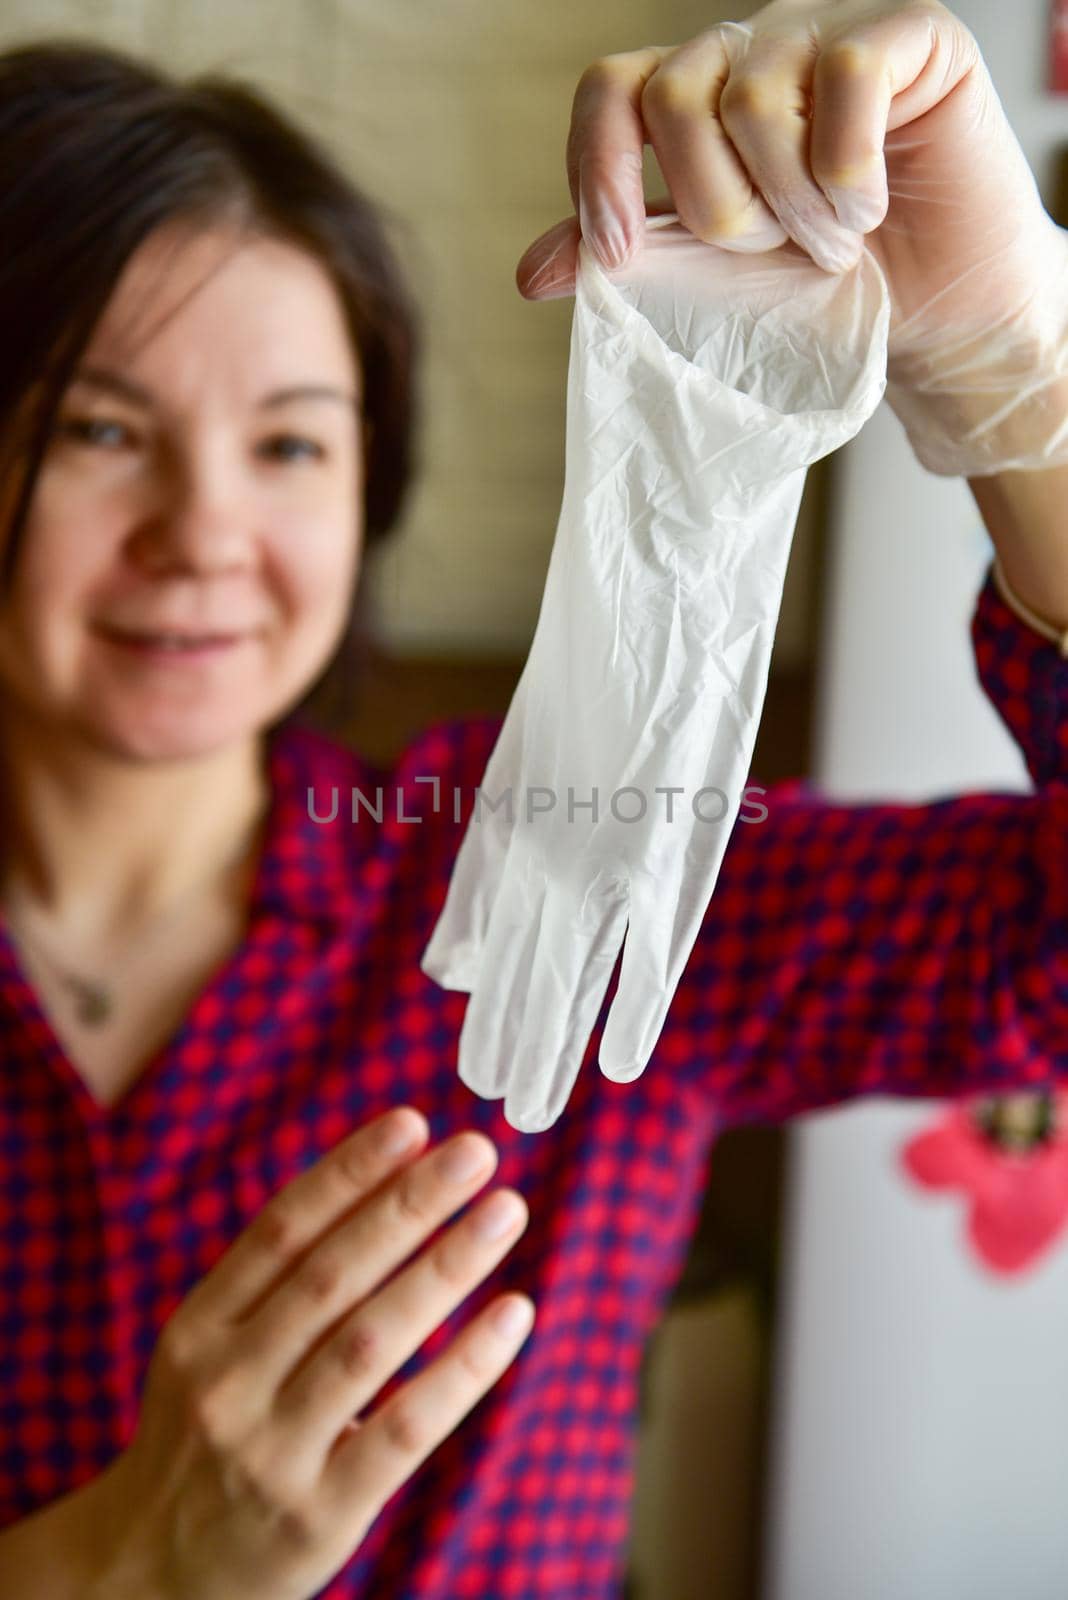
1008 1154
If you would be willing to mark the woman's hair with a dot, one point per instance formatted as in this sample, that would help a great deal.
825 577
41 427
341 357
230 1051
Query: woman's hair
99 149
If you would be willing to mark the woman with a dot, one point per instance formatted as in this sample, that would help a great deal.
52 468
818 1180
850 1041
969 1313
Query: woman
223 1068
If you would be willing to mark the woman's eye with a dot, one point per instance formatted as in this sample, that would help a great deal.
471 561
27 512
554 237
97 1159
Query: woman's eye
291 447
94 431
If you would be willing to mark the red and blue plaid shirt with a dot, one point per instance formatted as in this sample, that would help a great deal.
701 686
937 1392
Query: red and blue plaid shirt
848 950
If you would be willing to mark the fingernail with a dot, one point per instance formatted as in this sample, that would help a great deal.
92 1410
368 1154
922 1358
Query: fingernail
613 250
462 1161
855 210
548 251
402 1132
537 280
606 232
497 1216
513 1318
541 271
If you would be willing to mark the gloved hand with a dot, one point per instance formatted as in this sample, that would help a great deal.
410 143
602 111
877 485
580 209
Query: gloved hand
826 120
700 388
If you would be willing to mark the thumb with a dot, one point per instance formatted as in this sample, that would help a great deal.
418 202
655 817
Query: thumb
546 270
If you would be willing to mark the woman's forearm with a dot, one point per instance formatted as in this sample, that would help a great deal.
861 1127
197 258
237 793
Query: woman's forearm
1026 514
52 1553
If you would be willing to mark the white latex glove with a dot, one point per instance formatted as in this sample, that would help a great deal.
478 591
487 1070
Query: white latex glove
824 120
701 387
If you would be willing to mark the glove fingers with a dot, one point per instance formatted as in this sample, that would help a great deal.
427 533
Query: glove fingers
454 949
495 1010
568 978
654 959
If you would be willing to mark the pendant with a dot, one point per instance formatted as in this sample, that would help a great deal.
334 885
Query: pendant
93 1001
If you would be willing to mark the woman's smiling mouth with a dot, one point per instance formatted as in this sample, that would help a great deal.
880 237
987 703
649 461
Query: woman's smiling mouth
172 647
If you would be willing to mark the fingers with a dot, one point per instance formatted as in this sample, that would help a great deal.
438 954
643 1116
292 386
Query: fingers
579 938
714 194
549 950
763 134
764 108
851 103
654 958
871 78
263 1399
547 269
345 1373
372 1461
298 1214
491 1025
351 1261
454 951
604 152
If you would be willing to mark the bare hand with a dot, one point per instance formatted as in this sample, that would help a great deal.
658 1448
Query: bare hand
248 1476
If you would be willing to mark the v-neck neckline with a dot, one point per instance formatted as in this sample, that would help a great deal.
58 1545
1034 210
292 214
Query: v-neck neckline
302 872
40 1033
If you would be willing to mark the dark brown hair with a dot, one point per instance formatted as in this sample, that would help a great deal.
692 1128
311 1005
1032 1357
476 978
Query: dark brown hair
99 149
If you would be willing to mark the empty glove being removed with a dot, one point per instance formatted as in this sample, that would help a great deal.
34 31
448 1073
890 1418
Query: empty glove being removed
701 386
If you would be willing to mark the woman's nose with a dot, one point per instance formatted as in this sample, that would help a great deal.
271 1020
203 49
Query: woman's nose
200 519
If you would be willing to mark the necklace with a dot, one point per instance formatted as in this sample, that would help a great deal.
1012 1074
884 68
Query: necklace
95 999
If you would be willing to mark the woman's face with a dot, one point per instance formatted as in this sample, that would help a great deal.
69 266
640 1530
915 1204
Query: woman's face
204 483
